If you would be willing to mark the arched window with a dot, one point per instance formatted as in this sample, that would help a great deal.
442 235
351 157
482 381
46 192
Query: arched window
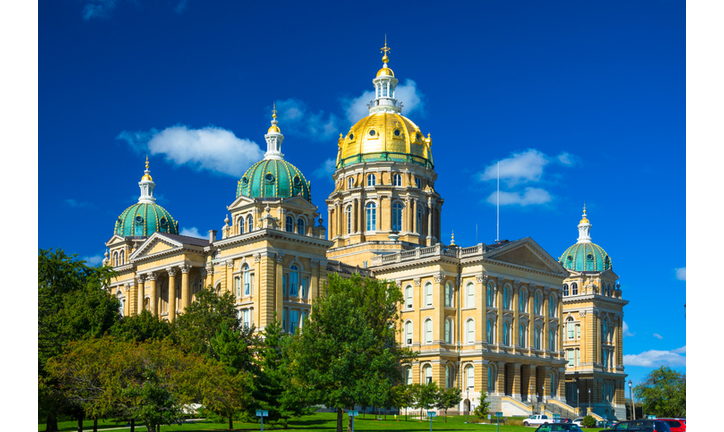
247 280
574 288
536 306
371 216
448 330
537 338
491 378
427 374
449 381
371 180
408 297
408 333
428 331
565 289
305 285
123 257
294 281
448 294
290 224
241 225
570 328
506 334
604 330
250 223
293 320
408 376
470 331
115 258
521 335
418 183
552 339
522 300
470 295
348 211
397 180
396 217
506 297
554 384
489 332
237 284
418 220
490 294
552 306
350 183
470 377
428 294
300 226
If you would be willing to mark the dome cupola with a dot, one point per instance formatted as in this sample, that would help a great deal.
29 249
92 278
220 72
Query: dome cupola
385 134
273 177
585 255
145 217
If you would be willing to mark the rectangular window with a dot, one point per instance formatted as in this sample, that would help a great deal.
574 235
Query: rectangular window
305 284
570 330
578 331
470 296
293 321
428 294
578 356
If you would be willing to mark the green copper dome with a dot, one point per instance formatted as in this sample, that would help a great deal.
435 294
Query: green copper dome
273 178
143 219
586 257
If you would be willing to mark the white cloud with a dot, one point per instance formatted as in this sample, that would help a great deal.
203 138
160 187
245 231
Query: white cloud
519 168
191 232
530 196
210 148
296 118
681 273
655 358
658 336
411 97
93 260
78 204
626 332
326 170
98 9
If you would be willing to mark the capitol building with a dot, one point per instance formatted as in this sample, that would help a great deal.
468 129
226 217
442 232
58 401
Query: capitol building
532 332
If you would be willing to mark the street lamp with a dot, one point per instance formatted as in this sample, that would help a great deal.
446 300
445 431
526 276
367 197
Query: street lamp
633 403
589 398
578 400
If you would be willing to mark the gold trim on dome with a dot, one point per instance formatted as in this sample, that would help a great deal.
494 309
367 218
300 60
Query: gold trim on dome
357 141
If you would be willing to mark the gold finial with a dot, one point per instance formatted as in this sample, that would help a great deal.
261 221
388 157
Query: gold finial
274 110
584 219
146 161
146 175
385 49
452 241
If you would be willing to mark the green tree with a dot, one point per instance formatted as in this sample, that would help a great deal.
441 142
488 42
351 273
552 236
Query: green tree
426 396
663 393
140 328
275 389
346 353
404 397
73 304
203 319
589 421
483 408
447 399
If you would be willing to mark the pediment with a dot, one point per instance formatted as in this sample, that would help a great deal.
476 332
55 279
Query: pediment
300 201
526 253
155 244
115 240
240 202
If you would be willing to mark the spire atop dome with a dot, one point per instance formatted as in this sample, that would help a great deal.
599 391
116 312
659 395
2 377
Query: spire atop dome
584 228
385 84
274 138
147 185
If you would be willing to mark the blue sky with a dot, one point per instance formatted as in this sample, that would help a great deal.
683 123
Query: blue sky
581 102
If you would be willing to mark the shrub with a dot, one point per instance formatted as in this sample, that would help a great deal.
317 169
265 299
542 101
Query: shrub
589 421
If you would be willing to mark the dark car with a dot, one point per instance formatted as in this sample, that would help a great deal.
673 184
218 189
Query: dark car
676 424
641 425
556 427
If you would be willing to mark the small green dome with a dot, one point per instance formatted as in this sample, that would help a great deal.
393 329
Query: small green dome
585 257
273 178
143 219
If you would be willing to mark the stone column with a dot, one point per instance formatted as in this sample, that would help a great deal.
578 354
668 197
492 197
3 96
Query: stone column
531 316
314 282
153 292
132 291
430 233
171 293
228 283
596 332
256 293
500 382
546 319
279 297
585 355
516 392
483 376
185 291
438 303
481 324
561 324
562 384
533 382
141 280
515 341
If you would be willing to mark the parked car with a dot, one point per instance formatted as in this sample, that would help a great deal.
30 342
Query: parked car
676 424
656 425
537 419
556 427
578 422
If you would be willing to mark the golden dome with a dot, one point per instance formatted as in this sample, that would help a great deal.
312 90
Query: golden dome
274 128
147 176
585 219
384 136
385 71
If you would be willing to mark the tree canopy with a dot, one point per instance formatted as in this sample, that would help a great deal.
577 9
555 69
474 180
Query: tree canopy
663 393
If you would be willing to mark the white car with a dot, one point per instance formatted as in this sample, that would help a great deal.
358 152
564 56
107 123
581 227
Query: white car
537 420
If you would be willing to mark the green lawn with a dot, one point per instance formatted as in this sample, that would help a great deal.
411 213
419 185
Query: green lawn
318 422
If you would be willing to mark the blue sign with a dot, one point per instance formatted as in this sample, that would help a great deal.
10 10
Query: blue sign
262 413
354 413
431 413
